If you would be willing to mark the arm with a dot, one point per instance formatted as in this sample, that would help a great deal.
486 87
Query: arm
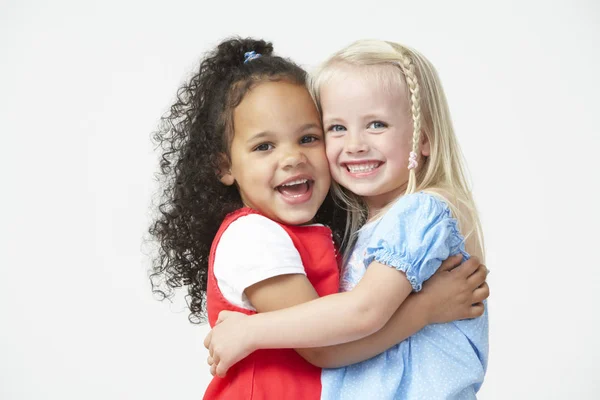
333 319
236 337
449 295
356 314
378 285
289 290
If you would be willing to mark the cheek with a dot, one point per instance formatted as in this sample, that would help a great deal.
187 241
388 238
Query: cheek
394 147
255 171
334 168
317 157
332 149
396 139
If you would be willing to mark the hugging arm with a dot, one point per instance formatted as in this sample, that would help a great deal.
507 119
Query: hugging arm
449 295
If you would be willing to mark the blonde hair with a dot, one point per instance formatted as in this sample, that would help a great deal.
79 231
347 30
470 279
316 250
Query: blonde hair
442 173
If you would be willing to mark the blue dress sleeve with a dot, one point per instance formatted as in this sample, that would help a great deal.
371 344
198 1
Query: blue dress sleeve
415 236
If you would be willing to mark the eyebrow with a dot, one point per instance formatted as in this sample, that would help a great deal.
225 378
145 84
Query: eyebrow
378 114
329 121
259 136
373 115
308 126
264 134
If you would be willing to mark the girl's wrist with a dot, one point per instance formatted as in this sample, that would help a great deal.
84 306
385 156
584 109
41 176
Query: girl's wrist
427 304
253 335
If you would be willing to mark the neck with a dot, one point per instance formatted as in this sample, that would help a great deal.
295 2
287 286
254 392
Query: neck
377 205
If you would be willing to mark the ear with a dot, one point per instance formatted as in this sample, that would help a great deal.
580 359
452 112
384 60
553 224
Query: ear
424 144
224 171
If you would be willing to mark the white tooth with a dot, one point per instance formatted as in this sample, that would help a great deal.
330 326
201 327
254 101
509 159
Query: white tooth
296 182
363 167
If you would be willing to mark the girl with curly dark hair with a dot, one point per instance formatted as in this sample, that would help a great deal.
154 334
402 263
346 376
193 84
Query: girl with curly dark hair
247 223
196 137
246 178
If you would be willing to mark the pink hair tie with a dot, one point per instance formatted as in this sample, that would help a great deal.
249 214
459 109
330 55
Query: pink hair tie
412 160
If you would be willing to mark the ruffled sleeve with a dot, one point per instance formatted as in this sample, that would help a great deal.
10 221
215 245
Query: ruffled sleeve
414 236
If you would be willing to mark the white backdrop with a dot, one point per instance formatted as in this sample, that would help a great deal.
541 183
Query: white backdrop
83 84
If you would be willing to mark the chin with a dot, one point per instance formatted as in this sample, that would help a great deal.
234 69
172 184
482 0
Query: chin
360 190
297 217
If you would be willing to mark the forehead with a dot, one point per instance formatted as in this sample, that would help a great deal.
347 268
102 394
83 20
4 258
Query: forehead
275 105
348 88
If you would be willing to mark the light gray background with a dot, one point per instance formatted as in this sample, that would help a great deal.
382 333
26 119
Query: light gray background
83 84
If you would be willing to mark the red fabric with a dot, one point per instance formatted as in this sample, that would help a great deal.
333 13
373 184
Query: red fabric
280 373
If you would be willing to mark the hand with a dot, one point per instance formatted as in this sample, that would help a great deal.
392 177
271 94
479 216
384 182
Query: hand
457 292
227 343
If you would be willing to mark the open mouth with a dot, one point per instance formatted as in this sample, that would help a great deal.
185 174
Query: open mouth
363 168
295 189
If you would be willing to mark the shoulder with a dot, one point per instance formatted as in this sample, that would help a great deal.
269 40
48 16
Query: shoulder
253 248
415 220
254 228
415 236
416 207
256 239
463 210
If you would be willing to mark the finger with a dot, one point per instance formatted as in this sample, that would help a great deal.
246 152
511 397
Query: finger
207 339
477 310
482 266
213 369
210 360
451 262
478 277
221 370
223 315
481 293
468 267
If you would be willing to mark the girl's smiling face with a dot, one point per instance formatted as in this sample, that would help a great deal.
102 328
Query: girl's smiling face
277 153
369 131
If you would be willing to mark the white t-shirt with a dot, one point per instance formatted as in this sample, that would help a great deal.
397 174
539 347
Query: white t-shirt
253 248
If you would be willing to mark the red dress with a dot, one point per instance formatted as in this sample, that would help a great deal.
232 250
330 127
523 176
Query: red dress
275 373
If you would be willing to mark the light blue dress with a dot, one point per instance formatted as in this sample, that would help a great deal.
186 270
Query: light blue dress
442 361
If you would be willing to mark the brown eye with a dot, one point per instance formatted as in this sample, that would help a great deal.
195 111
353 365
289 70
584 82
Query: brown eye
308 139
263 147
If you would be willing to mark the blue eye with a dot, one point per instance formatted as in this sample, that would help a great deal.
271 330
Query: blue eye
377 125
336 128
263 147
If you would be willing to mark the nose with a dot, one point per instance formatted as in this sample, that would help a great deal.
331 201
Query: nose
293 157
355 144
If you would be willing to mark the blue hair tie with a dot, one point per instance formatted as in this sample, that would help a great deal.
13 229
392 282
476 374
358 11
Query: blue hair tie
250 55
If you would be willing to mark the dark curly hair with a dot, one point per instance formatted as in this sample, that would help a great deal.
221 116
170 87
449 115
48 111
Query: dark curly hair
193 137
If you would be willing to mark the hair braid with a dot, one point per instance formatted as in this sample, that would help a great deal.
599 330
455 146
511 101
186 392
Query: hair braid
408 69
